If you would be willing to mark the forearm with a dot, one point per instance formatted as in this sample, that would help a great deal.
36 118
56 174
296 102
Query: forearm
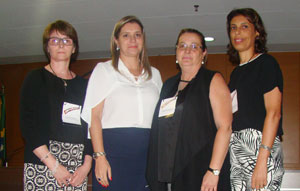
220 147
47 158
87 161
97 136
269 133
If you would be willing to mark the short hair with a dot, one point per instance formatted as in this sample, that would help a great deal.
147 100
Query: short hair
260 41
194 31
115 54
64 28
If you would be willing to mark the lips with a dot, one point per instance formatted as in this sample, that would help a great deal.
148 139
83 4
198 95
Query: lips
238 40
133 46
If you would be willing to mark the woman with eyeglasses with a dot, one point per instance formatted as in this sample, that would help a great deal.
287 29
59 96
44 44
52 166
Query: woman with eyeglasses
119 106
256 85
57 151
191 126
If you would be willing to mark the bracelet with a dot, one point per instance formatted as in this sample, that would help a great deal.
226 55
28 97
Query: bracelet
265 147
45 157
98 154
55 168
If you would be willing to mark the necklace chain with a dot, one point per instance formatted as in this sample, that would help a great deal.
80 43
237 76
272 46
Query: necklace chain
64 81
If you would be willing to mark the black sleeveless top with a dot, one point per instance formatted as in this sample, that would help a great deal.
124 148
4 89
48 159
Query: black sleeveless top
196 128
167 139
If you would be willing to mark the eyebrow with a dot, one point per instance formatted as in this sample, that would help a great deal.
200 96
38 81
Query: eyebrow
241 23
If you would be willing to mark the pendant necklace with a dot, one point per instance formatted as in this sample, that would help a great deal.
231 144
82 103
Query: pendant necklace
64 81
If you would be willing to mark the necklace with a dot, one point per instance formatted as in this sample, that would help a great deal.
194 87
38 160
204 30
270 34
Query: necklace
186 81
248 60
251 57
64 81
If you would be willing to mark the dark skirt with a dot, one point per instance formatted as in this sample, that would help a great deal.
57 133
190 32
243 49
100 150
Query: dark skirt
126 151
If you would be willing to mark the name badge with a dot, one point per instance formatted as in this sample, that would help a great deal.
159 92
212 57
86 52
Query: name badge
71 113
234 101
167 107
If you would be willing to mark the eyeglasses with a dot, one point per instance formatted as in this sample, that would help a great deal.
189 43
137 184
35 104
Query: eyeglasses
193 47
54 41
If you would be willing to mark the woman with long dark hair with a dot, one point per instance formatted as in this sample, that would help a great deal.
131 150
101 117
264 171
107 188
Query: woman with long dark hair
256 86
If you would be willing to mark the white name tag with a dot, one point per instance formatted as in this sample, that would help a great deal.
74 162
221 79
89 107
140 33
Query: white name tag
71 113
167 107
234 101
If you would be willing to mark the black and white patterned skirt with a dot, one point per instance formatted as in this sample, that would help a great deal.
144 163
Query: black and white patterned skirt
39 177
244 150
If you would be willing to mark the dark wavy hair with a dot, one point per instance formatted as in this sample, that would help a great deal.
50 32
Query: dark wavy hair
260 41
195 31
115 53
64 28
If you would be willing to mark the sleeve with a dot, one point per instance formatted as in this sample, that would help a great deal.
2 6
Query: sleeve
88 148
157 78
99 86
31 100
270 75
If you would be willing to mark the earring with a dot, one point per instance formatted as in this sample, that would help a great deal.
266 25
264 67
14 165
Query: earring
117 48
202 62
176 61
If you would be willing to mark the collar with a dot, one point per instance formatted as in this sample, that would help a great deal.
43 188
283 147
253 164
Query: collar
127 74
250 60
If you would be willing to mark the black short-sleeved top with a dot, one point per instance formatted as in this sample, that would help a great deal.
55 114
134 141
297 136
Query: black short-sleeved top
41 104
251 81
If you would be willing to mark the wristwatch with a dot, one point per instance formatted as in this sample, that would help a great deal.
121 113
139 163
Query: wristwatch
98 154
216 172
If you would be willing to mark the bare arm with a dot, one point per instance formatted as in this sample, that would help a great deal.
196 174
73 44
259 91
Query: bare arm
273 114
102 167
221 105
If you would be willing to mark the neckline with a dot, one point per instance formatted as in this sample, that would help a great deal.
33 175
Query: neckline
185 81
63 80
250 60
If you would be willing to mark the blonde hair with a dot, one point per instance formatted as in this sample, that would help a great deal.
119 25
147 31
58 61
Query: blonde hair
115 54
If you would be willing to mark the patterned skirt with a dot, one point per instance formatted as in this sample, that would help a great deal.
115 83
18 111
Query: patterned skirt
39 177
244 149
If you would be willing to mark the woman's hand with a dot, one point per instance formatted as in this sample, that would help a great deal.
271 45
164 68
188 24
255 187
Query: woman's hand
79 175
62 175
103 171
209 182
81 172
259 176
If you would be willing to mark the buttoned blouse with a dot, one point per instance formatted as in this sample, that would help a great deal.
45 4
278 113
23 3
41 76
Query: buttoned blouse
127 102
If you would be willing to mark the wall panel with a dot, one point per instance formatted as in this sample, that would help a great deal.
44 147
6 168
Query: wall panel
12 76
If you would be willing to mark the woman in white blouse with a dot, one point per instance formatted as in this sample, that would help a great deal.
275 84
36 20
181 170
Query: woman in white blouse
119 105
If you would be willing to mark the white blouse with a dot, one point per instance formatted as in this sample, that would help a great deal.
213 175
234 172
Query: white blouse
127 102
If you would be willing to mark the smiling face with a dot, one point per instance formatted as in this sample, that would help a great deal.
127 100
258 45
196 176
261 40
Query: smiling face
189 57
242 34
60 52
130 40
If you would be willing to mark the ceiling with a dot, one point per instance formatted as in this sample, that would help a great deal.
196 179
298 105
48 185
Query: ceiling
22 23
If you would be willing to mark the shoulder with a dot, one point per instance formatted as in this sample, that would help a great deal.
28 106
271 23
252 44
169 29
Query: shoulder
106 66
268 60
206 74
155 74
33 82
36 73
103 70
81 81
172 79
34 76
